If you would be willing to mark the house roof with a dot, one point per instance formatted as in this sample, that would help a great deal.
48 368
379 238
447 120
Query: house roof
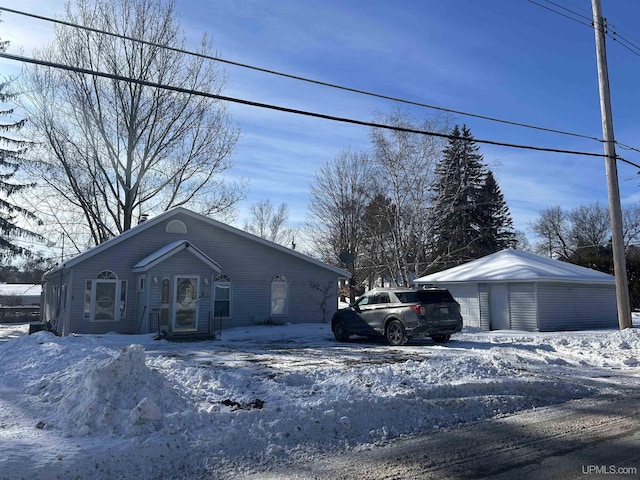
517 266
168 251
183 211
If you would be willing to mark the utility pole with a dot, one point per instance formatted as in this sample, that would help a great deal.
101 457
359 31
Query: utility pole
615 211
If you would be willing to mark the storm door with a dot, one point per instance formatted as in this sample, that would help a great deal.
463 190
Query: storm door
185 316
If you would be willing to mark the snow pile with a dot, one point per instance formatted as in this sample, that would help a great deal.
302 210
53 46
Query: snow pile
129 407
118 394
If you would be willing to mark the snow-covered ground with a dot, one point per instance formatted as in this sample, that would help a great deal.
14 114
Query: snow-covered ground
129 407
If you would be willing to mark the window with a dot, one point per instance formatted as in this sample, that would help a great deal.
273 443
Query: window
364 300
279 291
435 296
383 298
176 226
105 298
222 297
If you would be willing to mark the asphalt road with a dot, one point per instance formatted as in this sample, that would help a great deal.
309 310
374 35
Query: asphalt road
590 438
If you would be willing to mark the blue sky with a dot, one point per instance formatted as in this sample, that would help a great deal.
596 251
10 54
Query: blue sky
509 59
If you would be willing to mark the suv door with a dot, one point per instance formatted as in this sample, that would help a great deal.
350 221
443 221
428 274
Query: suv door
353 316
376 311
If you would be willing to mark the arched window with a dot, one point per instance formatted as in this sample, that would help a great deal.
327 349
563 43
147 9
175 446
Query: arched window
176 226
107 275
222 297
279 295
105 298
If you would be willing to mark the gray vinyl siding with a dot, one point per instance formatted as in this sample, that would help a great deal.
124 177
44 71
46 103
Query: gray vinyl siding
182 264
522 306
576 307
250 264
142 303
485 315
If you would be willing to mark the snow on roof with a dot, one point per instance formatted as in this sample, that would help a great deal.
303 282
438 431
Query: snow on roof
20 289
514 265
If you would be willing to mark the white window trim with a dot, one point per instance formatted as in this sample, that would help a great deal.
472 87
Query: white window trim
280 280
118 311
223 284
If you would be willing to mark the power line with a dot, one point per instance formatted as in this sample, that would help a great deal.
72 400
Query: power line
299 78
588 17
291 110
616 37
611 31
560 13
587 12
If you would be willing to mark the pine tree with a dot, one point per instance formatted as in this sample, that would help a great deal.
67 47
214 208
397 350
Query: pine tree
496 224
12 148
460 176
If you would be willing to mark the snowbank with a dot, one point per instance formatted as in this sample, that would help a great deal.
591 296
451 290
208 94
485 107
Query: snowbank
129 407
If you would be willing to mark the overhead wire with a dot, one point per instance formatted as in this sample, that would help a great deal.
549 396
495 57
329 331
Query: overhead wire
318 82
610 31
188 91
621 40
588 17
300 78
559 13
578 7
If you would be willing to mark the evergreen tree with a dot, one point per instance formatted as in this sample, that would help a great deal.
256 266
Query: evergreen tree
460 177
496 225
12 148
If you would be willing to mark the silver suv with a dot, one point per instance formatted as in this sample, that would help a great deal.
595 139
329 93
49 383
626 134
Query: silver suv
399 314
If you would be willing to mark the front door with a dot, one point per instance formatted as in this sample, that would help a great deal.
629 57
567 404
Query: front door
185 317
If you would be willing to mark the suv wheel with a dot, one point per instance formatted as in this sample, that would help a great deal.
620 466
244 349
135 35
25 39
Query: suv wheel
340 331
440 338
395 333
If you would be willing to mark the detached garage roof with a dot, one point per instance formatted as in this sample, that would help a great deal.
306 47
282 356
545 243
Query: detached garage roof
514 265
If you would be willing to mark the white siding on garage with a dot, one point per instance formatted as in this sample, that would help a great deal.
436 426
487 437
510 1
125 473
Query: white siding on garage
522 306
467 296
576 307
485 317
543 294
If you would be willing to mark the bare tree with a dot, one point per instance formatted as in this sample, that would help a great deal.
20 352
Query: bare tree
589 225
324 300
631 225
562 234
339 196
522 242
404 163
270 223
113 148
553 230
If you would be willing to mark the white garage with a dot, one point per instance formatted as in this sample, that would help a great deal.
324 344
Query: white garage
519 290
